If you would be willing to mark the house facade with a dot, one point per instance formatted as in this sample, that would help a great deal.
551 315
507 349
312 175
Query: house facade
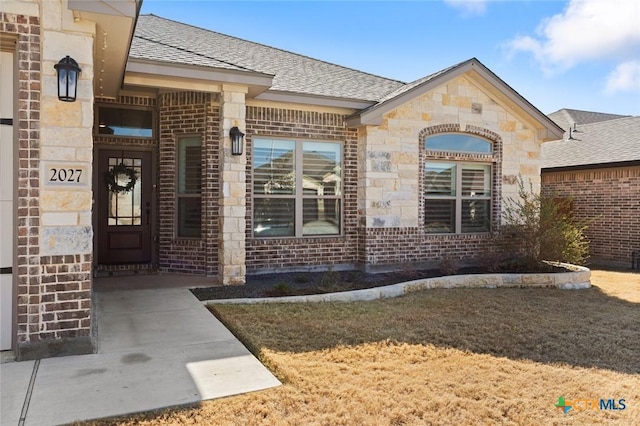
337 168
597 166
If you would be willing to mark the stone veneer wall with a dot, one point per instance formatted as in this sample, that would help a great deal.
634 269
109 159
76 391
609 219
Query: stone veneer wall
392 157
274 253
611 198
188 113
54 251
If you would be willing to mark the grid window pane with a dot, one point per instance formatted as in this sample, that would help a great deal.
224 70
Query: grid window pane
274 217
440 215
125 208
475 215
476 180
297 188
189 165
273 166
321 216
440 179
189 175
322 171
457 197
189 217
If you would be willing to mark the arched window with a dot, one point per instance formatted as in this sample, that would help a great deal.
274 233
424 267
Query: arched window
458 142
457 187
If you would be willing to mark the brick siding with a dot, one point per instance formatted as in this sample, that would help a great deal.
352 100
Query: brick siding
611 198
273 253
188 113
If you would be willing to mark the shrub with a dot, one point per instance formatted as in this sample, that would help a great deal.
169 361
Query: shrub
330 281
540 227
448 266
280 289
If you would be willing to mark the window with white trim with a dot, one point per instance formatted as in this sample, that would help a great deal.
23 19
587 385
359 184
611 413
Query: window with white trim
457 194
297 188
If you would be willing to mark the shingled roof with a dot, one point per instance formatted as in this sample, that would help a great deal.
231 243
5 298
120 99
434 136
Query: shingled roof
160 42
612 142
567 118
163 40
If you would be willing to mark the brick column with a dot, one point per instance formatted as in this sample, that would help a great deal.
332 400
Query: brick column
233 190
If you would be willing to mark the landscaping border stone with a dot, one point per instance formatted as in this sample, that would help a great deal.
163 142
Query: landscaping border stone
578 278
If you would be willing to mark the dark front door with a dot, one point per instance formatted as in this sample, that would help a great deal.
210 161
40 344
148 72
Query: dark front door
124 206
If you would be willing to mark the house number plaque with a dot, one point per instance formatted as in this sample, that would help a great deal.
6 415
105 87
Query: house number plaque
65 174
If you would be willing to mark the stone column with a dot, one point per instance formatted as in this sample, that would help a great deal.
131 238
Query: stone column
233 189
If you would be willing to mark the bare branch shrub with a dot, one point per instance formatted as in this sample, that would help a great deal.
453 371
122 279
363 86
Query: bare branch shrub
539 227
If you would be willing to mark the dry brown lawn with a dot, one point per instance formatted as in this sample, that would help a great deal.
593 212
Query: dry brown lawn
460 356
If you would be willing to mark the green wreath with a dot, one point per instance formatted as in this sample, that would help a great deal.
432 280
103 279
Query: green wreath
111 178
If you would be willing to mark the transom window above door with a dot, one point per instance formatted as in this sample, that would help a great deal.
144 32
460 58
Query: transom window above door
123 121
297 188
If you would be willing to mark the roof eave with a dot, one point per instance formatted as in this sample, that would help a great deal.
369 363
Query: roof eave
317 100
615 164
373 116
173 76
116 20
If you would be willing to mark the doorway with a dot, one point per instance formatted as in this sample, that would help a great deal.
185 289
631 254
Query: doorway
124 207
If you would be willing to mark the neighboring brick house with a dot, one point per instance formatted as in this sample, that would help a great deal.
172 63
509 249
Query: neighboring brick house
338 168
597 165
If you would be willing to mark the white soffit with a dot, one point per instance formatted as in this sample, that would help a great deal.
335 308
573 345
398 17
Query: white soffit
172 76
115 22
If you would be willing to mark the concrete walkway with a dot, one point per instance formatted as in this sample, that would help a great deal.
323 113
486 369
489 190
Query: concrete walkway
156 348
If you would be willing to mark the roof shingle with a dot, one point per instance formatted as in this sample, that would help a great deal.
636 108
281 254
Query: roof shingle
161 39
601 142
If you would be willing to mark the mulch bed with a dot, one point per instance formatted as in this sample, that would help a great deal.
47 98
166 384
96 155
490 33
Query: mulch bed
303 283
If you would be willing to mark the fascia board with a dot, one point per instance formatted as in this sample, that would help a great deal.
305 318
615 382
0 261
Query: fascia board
128 9
548 130
305 99
140 68
373 116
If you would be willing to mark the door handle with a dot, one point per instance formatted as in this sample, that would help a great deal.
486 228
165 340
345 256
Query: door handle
148 212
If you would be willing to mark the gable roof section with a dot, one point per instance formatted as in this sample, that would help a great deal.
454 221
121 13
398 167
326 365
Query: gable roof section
172 43
604 143
548 130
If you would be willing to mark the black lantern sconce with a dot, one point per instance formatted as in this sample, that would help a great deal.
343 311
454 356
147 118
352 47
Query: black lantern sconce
237 138
68 71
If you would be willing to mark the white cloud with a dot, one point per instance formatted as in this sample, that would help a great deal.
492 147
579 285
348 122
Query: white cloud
586 30
625 78
469 7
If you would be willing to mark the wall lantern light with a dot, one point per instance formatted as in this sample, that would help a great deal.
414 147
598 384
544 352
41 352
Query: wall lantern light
68 71
237 138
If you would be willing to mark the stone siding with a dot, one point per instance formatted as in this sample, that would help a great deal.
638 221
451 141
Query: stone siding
391 169
54 233
608 197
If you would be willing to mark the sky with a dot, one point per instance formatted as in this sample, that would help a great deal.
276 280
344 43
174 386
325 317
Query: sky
577 54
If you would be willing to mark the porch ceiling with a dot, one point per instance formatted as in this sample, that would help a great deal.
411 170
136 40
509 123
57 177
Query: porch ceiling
115 22
171 76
